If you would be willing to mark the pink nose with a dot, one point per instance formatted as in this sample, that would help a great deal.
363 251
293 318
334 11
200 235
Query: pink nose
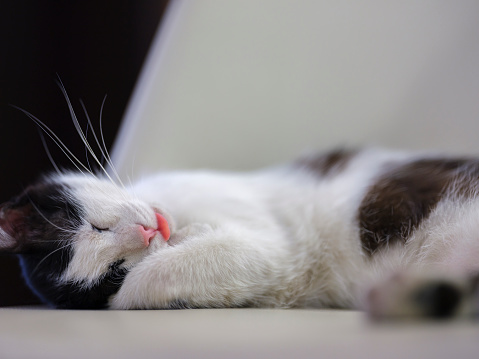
163 228
147 233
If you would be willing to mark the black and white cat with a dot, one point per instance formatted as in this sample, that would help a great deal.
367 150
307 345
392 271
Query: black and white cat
392 232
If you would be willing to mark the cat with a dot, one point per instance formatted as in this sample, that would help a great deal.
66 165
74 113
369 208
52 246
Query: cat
390 232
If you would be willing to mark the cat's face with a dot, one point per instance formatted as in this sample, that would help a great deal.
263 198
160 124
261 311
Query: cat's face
78 236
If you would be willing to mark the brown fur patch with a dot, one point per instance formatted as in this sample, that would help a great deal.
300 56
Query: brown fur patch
403 196
329 163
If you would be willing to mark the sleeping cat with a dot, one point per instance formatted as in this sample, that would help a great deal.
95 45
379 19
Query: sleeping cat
394 233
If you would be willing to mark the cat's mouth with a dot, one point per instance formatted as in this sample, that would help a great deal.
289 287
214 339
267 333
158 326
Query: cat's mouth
162 227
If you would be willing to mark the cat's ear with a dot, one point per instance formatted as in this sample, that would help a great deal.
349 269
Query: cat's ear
13 227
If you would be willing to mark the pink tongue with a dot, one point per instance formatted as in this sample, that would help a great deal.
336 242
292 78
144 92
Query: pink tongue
163 227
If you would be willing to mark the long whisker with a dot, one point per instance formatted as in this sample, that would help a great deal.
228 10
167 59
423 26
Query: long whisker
132 171
45 146
107 157
49 254
55 139
50 222
87 144
86 149
78 128
101 131
47 240
104 153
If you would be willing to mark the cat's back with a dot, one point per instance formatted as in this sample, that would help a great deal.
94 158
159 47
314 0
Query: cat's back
366 188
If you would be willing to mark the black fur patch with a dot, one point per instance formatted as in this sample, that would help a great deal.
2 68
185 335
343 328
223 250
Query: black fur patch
73 296
50 216
405 195
329 163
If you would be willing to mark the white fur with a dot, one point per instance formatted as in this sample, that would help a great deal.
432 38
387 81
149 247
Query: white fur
280 237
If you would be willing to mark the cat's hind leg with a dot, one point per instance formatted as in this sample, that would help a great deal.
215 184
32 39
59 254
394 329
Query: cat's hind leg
416 295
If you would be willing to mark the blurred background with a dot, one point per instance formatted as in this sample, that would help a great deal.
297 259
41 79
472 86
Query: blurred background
97 48
242 84
235 84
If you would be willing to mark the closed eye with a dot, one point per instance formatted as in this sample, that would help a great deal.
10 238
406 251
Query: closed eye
98 229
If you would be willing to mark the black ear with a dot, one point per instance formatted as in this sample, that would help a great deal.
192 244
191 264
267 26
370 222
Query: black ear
14 226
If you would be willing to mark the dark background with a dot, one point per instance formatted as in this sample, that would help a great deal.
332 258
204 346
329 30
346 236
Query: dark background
97 49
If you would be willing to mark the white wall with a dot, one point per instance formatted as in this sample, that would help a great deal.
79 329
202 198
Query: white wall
244 83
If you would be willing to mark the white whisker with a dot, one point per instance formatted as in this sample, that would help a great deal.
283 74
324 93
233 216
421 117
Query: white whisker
107 157
87 144
49 254
103 137
66 151
86 150
103 153
45 146
50 222
78 128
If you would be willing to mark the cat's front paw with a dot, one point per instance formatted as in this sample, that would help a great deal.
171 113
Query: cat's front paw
411 295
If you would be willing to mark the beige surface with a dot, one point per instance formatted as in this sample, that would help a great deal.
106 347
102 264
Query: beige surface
229 333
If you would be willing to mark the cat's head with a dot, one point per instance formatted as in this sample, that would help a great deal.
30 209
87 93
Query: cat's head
77 237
